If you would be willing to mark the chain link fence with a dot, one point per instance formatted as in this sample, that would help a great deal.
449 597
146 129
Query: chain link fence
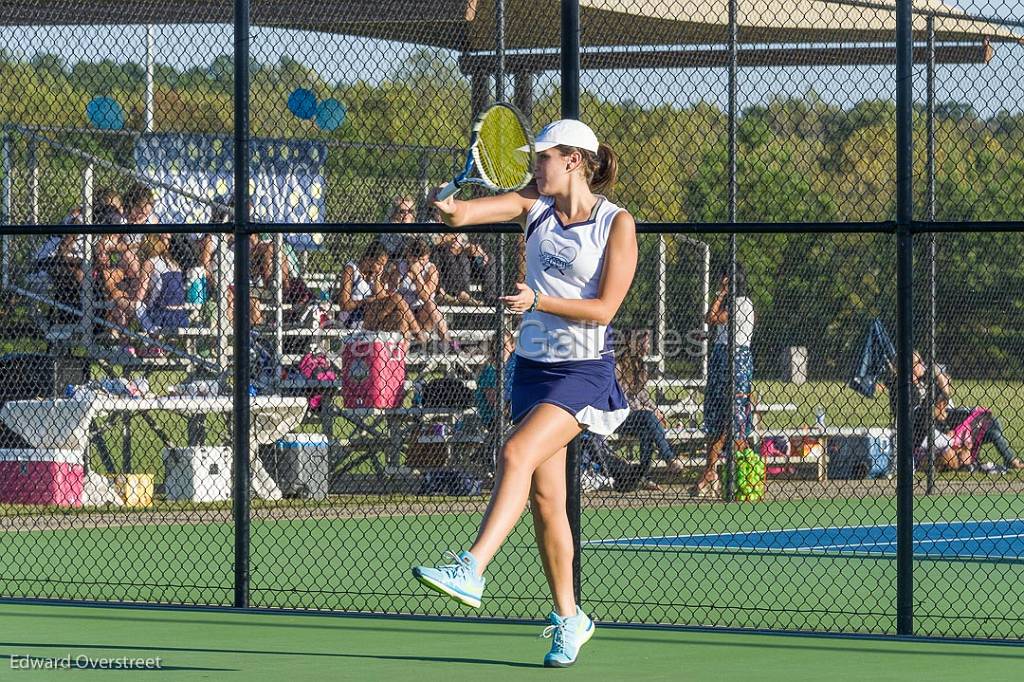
756 483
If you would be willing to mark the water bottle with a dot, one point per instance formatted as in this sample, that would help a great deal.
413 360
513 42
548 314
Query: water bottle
417 394
819 417
196 286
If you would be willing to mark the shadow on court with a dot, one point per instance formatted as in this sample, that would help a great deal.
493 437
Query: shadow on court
777 642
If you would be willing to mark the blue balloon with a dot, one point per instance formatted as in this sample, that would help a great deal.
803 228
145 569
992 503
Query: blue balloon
302 103
105 113
330 114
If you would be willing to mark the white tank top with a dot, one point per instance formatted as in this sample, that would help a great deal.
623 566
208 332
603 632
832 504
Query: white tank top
744 324
360 286
406 288
565 261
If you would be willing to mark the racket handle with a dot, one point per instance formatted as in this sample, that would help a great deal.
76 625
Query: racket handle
446 191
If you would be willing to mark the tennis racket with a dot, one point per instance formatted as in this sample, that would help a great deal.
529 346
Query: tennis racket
494 153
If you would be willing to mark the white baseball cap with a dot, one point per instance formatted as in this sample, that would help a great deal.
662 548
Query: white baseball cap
568 132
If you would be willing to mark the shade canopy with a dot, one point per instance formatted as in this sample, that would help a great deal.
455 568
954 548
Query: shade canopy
468 25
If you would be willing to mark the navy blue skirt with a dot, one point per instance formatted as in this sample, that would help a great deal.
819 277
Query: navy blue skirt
586 389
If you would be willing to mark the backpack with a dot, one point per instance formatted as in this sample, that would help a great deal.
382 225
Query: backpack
971 431
777 446
447 393
317 367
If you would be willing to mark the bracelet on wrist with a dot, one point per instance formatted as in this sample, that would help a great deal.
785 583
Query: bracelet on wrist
536 299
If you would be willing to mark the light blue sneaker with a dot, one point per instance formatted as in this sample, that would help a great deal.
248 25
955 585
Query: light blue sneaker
458 580
568 635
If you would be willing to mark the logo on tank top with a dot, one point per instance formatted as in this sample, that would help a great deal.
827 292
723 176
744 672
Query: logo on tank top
553 257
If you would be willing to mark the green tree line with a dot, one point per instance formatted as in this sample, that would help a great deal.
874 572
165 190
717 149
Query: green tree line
801 159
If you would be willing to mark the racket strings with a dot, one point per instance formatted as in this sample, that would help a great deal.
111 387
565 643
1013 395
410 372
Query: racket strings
501 164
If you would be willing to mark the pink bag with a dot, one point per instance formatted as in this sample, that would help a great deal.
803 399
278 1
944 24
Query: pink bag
317 367
971 431
770 448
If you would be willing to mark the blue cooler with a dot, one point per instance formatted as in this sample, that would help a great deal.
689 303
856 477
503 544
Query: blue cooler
299 464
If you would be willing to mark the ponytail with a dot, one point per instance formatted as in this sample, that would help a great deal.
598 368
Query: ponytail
604 169
600 169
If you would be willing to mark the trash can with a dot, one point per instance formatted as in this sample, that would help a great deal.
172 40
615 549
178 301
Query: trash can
299 464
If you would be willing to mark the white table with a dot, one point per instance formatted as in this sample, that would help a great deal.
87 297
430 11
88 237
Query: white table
63 424
818 460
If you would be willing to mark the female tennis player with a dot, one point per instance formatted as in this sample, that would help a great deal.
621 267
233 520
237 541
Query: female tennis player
581 254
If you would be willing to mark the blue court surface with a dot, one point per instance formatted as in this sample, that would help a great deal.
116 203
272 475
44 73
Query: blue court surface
993 540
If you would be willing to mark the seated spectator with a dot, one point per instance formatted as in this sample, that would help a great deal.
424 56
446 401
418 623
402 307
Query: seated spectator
973 427
366 298
954 448
415 279
460 262
139 203
61 258
959 436
69 250
645 422
118 258
226 260
160 301
263 248
195 249
403 210
487 381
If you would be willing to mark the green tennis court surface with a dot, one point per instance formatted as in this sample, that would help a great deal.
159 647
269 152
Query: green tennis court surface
362 564
207 645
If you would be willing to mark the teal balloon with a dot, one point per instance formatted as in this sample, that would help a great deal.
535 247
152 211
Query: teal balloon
302 103
105 113
330 114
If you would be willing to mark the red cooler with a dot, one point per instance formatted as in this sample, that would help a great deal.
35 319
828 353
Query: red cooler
373 370
41 477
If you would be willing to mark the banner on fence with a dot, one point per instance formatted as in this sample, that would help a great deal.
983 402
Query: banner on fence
287 181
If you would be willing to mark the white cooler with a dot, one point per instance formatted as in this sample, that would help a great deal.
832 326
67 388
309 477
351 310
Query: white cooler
197 474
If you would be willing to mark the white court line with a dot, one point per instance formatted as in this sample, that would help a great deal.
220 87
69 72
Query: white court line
916 542
632 540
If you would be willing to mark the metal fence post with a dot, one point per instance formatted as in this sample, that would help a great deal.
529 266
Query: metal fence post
6 200
904 320
88 278
33 181
240 492
571 109
729 490
499 263
930 217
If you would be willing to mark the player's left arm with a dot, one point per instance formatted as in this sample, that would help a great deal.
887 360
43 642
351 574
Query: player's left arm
620 258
